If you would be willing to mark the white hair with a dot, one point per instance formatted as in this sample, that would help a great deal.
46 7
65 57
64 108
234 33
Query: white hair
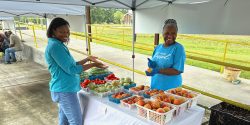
170 22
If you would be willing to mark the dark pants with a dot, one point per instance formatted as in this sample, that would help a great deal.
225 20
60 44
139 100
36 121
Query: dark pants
2 49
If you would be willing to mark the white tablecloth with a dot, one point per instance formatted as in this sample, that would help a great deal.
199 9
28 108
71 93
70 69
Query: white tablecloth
100 111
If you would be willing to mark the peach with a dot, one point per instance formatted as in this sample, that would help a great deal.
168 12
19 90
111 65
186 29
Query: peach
140 98
146 87
149 70
190 95
160 110
159 98
172 91
179 93
118 96
182 100
133 89
147 92
140 87
130 102
156 105
178 89
171 98
184 91
166 109
167 100
185 95
177 102
135 100
148 106
125 101
141 103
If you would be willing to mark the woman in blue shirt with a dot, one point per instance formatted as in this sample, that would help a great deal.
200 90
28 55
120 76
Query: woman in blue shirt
168 60
65 80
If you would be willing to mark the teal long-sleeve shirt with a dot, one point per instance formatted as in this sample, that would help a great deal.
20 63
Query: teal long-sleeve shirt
62 67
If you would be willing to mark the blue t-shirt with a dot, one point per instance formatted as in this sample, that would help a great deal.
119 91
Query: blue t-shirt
168 57
62 67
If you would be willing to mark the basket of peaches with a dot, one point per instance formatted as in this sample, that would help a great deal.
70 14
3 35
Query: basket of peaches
190 95
117 97
151 92
156 111
138 90
179 102
130 101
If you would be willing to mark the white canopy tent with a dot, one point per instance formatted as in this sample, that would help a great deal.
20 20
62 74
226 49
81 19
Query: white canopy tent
22 8
72 13
123 4
214 17
193 16
7 23
136 5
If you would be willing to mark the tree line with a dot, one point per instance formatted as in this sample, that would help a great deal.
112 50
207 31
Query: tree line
106 15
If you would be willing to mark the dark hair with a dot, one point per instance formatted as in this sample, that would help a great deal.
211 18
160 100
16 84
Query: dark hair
171 22
55 23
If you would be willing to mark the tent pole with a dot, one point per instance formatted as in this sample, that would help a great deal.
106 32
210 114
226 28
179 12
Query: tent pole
45 16
133 43
88 23
156 40
86 30
14 26
20 32
41 22
2 25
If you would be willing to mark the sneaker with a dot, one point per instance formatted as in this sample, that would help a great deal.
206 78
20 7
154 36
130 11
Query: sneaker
14 60
236 82
8 62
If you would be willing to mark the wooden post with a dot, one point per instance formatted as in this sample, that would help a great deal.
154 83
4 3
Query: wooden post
156 41
88 22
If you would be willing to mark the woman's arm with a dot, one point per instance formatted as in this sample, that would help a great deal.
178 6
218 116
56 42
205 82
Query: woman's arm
179 61
89 58
82 61
169 71
98 65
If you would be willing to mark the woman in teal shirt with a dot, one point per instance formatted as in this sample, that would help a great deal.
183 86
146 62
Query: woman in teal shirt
65 80
168 60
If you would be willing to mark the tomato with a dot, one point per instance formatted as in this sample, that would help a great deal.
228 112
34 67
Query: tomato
87 81
102 82
111 76
84 86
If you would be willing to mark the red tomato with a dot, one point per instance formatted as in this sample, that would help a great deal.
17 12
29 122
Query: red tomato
87 81
111 76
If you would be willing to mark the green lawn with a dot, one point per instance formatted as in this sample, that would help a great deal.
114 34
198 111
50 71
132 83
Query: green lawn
212 49
206 46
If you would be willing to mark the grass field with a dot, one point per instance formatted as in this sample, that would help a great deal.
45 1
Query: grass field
207 46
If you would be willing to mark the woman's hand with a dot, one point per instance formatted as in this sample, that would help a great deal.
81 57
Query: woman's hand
152 72
89 58
100 65
92 58
151 64
95 64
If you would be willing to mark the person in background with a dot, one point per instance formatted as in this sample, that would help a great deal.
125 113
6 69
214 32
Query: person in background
3 43
65 79
168 60
6 37
15 45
